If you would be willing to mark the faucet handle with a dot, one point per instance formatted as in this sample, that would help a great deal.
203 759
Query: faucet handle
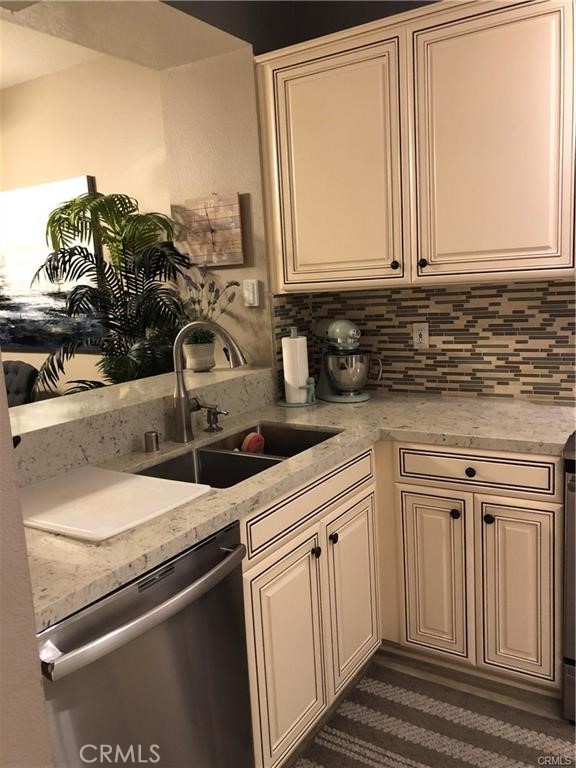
212 413
196 405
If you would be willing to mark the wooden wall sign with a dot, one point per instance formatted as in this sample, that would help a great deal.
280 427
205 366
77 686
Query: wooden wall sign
210 230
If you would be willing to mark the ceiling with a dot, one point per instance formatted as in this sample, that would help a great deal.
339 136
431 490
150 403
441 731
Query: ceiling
26 54
272 25
145 32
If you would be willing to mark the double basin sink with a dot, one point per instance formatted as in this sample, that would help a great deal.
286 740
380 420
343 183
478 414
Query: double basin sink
222 463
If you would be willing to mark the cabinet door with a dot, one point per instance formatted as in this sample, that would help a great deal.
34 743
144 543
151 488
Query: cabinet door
352 577
287 646
338 187
435 537
494 166
516 543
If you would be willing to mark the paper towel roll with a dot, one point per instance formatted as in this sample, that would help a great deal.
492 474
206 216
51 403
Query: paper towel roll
295 364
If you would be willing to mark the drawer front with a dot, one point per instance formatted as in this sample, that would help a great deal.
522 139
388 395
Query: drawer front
507 473
269 526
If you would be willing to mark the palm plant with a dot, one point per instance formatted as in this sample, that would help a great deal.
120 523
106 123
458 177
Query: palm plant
131 289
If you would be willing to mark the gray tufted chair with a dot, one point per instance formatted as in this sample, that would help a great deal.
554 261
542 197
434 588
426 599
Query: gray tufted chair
20 378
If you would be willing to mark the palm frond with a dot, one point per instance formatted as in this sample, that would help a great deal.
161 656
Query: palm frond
67 264
87 300
159 307
92 215
53 366
143 230
163 261
83 385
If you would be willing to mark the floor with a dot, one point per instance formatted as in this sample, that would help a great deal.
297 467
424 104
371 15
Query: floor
408 713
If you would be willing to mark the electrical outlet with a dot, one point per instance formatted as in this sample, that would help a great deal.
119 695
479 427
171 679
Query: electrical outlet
420 339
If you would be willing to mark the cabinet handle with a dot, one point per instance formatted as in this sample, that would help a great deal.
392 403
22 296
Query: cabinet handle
394 264
455 514
470 472
423 263
333 538
489 519
316 551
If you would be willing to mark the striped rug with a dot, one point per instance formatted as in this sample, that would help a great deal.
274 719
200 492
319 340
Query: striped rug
391 719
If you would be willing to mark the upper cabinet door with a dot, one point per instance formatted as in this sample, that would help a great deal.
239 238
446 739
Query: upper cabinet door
494 155
334 162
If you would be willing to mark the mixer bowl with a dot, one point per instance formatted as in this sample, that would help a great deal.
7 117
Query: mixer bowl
347 371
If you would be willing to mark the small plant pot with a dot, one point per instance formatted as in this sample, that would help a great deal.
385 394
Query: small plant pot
199 357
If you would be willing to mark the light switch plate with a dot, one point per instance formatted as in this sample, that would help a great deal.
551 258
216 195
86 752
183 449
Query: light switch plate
251 293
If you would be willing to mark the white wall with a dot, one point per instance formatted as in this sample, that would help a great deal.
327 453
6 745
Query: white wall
23 728
102 118
212 142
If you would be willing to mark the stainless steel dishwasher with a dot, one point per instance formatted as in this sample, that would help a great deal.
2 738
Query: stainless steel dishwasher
156 672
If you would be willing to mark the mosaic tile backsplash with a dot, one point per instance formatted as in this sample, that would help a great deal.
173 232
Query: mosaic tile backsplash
508 341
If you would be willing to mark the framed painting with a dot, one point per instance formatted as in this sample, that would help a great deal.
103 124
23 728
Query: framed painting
33 315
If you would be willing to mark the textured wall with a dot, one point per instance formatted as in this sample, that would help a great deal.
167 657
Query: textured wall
508 341
211 129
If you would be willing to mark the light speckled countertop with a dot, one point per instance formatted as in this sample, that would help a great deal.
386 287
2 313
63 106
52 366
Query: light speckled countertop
68 575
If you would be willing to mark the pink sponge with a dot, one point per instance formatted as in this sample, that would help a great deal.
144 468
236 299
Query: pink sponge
253 443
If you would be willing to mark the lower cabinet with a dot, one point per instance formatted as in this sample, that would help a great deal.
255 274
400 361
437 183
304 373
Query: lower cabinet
435 534
312 619
516 570
481 578
352 589
288 645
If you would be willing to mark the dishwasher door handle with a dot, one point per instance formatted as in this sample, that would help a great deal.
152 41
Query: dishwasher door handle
56 665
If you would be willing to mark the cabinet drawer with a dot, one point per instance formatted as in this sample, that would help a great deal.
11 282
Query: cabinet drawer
274 522
507 473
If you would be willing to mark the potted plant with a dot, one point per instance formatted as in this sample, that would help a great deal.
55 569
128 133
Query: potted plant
129 283
204 300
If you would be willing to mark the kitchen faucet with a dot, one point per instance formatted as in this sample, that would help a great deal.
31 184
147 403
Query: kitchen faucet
182 408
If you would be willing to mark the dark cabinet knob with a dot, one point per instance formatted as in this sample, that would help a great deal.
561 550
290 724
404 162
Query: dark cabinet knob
470 472
394 264
316 551
423 263
489 519
333 538
455 514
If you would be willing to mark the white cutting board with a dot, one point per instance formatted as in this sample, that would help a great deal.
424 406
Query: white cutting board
94 504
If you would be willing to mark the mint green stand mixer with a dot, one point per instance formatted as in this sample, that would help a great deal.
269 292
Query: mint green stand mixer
345 369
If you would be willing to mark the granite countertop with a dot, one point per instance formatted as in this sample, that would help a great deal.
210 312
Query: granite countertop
68 575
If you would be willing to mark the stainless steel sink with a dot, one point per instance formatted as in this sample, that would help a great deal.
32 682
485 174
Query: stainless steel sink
219 469
282 440
221 464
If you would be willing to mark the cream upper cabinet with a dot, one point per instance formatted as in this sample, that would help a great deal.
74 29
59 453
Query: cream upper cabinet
494 145
435 537
518 583
333 167
432 147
